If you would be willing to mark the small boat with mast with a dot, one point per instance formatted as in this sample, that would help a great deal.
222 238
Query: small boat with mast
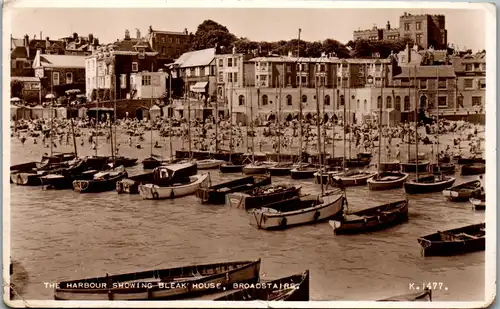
384 180
427 184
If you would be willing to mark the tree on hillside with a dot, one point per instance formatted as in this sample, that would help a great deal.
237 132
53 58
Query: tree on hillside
210 33
16 88
335 47
383 48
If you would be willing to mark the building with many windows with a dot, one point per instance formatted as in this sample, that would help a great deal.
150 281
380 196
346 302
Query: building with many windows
471 82
170 45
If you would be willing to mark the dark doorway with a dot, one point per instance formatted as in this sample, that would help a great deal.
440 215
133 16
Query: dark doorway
139 114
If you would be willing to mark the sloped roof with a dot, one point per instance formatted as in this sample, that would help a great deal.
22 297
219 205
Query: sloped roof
19 52
16 43
439 55
63 61
25 78
428 71
170 32
196 58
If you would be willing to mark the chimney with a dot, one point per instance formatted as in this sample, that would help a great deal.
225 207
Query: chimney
75 36
91 38
127 34
47 42
185 31
150 30
137 33
26 40
234 50
388 25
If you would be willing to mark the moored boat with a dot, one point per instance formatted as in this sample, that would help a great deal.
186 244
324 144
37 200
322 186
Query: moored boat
231 167
351 178
292 288
216 194
280 169
425 295
411 166
303 172
257 168
151 162
441 168
27 178
387 181
473 169
463 191
175 189
465 239
478 203
131 184
65 180
371 219
262 196
428 184
390 166
324 176
469 160
173 283
207 164
122 161
102 182
297 211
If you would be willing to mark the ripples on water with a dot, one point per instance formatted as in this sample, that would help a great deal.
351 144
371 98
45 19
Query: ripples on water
62 235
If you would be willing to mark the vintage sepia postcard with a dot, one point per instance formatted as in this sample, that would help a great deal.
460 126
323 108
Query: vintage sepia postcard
249 154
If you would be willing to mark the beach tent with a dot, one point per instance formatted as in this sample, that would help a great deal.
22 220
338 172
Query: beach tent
23 112
61 112
155 112
391 117
82 112
47 111
37 112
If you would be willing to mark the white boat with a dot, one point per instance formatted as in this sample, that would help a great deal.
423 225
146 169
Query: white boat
154 192
257 168
209 164
303 210
387 181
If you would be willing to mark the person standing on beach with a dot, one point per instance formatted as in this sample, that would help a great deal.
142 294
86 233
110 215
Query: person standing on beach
398 152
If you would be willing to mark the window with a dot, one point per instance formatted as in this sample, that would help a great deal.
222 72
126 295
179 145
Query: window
197 71
88 81
288 68
235 77
142 53
304 99
229 77
342 100
177 40
322 67
423 84
357 104
407 103
304 80
442 83
241 100
101 81
418 38
163 50
221 63
69 78
468 67
476 66
365 103
388 102
146 80
93 82
264 99
221 77
484 66
460 101
443 101
407 27
397 103
188 72
235 62
476 101
288 100
135 67
482 83
379 102
327 100
230 62
26 64
170 40
123 81
468 83
55 78
418 26
207 71
163 39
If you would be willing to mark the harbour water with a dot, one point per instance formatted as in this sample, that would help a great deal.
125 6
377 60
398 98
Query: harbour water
63 235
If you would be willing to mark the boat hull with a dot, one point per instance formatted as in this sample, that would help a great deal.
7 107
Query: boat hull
412 168
247 201
478 203
375 184
463 192
279 171
231 168
175 283
26 179
370 220
447 244
209 164
98 186
473 169
412 187
330 206
217 194
254 169
351 181
154 192
150 163
304 173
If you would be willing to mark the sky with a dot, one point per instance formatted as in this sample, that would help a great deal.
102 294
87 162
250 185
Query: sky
466 27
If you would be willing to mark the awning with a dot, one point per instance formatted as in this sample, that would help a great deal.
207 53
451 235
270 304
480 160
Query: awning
199 87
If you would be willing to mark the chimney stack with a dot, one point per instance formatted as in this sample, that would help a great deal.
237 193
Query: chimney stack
137 33
185 31
127 34
150 30
26 40
91 39
234 50
388 25
47 42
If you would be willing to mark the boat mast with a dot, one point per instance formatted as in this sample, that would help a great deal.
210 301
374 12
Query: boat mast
251 120
73 133
437 118
333 127
231 118
216 120
323 121
188 121
170 120
344 118
150 107
97 107
409 108
279 114
51 107
380 119
319 130
300 99
416 122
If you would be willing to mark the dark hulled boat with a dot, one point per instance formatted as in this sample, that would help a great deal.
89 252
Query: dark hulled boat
151 162
473 169
281 169
465 239
478 203
371 219
173 283
428 184
292 288
216 194
262 196
351 178
123 161
463 191
442 168
102 181
469 160
231 167
131 184
411 167
303 172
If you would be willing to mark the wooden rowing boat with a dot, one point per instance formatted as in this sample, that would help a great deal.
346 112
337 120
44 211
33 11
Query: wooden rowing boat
463 191
262 196
173 283
257 168
455 241
297 211
207 164
175 189
478 203
371 219
352 178
216 194
410 167
231 167
425 295
428 184
102 182
473 169
292 288
387 181
131 184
